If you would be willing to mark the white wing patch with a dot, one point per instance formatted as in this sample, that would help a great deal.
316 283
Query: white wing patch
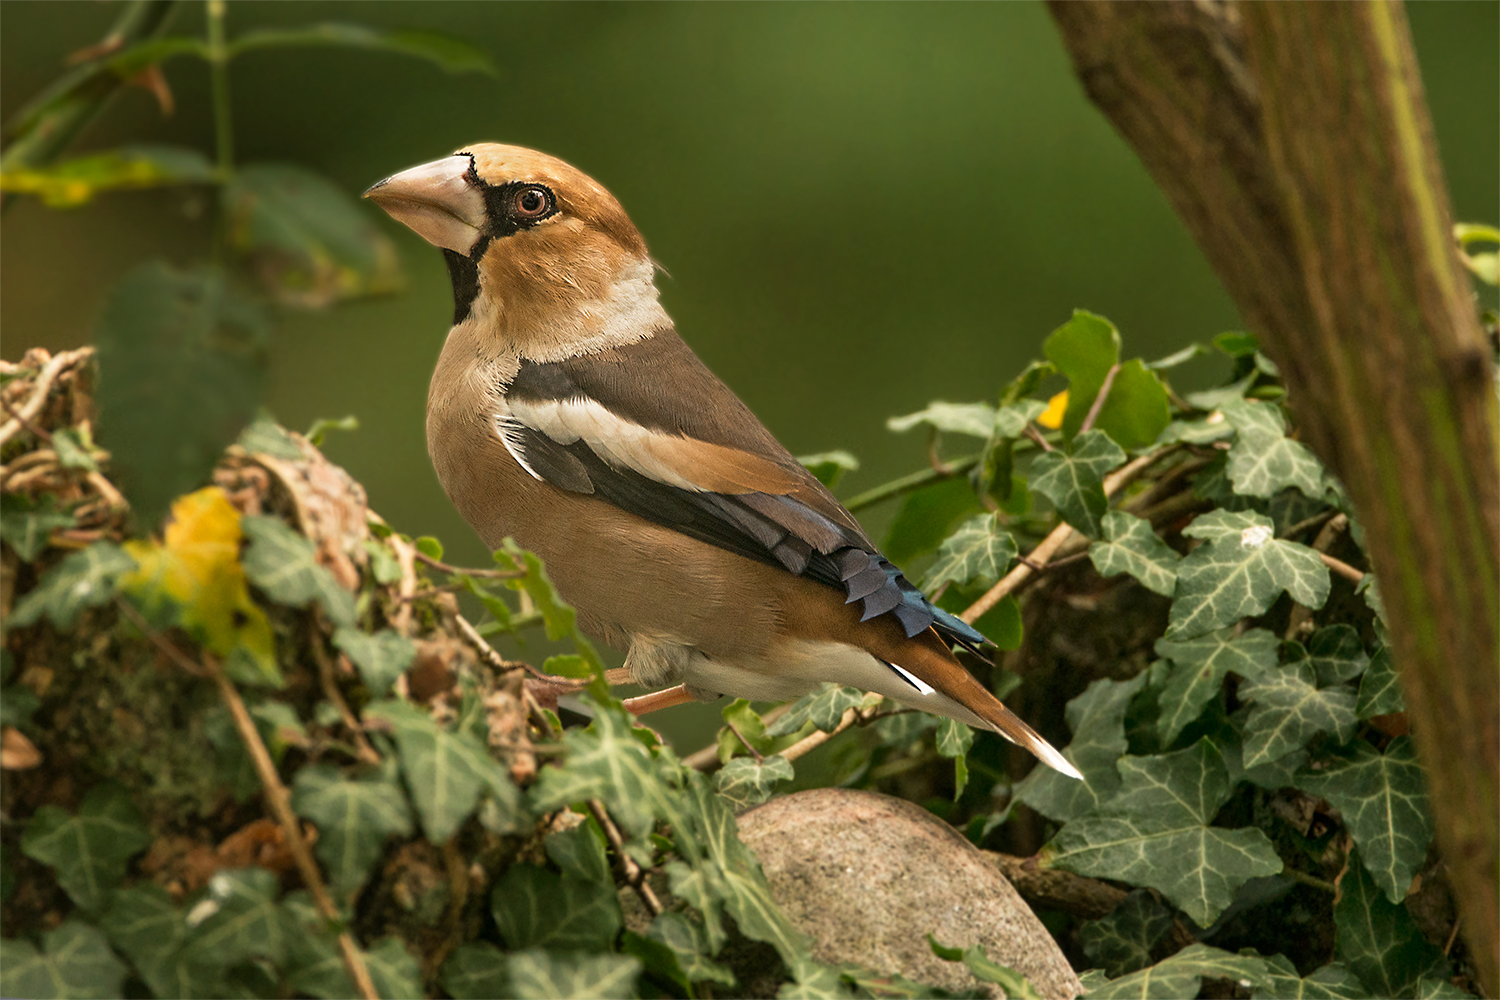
620 442
922 686
509 430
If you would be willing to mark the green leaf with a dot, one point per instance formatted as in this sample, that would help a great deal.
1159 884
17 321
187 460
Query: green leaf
823 708
321 426
1204 431
72 453
1237 344
430 547
1155 833
1290 709
1122 941
747 782
1239 572
973 419
580 851
266 437
444 51
316 967
537 908
88 851
1084 349
284 565
84 579
383 562
828 467
475 971
543 975
74 961
1281 982
954 739
1383 798
1097 720
1075 482
1136 410
1263 460
560 618
26 525
77 180
979 552
927 516
307 241
1130 546
381 658
987 970
1380 687
1182 975
445 772
1182 357
1378 940
690 944
1197 672
1011 421
1336 654
150 930
354 818
606 761
181 359
741 722
239 920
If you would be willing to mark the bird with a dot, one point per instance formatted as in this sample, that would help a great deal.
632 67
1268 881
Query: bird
567 413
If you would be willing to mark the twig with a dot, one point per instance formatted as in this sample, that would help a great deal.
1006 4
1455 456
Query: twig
406 554
1036 435
759 757
1098 404
486 652
1452 935
26 422
335 697
1055 889
1045 549
906 484
1037 567
1310 522
158 640
1342 568
106 489
852 717
706 758
1312 880
934 460
634 877
478 574
42 388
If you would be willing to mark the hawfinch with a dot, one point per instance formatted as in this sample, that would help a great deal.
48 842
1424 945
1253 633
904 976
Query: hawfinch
566 412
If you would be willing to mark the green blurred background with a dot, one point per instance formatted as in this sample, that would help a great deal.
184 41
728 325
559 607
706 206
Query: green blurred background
862 207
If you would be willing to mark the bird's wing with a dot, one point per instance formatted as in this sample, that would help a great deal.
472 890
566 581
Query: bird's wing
648 428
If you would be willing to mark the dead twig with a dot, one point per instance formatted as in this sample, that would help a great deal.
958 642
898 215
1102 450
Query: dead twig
366 752
41 389
634 876
1098 404
478 574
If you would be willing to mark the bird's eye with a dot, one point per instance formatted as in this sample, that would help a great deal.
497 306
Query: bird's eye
532 202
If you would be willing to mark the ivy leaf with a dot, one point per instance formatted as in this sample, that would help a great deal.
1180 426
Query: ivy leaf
973 419
84 579
823 708
307 241
1137 409
1336 654
354 818
1075 482
88 851
1378 940
954 739
1380 687
690 944
1182 975
266 437
26 525
558 616
1097 719
1281 982
537 908
239 920
285 566
542 975
150 930
1011 420
979 552
381 657
1240 570
1155 833
193 579
1290 709
1084 349
580 852
181 359
445 772
476 971
606 761
316 967
1198 669
828 467
1263 460
747 782
74 961
1121 942
1130 546
1383 798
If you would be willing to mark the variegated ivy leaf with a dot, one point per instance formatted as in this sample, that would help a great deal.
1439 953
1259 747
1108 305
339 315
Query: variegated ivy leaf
747 782
1331 982
74 961
1336 654
84 579
1263 460
823 708
537 908
381 657
541 975
973 419
1182 975
1378 940
1155 833
1290 709
285 565
475 971
354 818
1075 482
1011 421
239 920
1239 572
88 851
1380 687
689 943
1205 431
1097 719
954 739
979 552
1130 546
1198 669
1121 942
1383 798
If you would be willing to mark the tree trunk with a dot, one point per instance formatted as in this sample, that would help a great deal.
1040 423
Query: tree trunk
1294 140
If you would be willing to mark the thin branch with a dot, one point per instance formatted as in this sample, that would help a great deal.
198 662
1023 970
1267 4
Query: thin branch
25 422
706 758
1312 880
335 697
1036 435
41 389
1098 404
634 877
1342 568
759 757
478 574
852 717
906 484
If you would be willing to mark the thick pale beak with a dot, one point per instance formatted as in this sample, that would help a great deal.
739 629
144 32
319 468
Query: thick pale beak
438 201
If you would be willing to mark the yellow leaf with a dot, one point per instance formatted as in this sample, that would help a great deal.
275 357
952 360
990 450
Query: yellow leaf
1052 416
194 579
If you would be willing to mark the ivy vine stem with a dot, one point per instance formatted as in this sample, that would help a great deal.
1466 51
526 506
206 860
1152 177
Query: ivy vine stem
218 63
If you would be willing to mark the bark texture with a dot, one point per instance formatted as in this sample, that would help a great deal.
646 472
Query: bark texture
1295 142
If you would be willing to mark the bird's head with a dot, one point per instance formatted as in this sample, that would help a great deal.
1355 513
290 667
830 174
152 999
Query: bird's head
536 247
